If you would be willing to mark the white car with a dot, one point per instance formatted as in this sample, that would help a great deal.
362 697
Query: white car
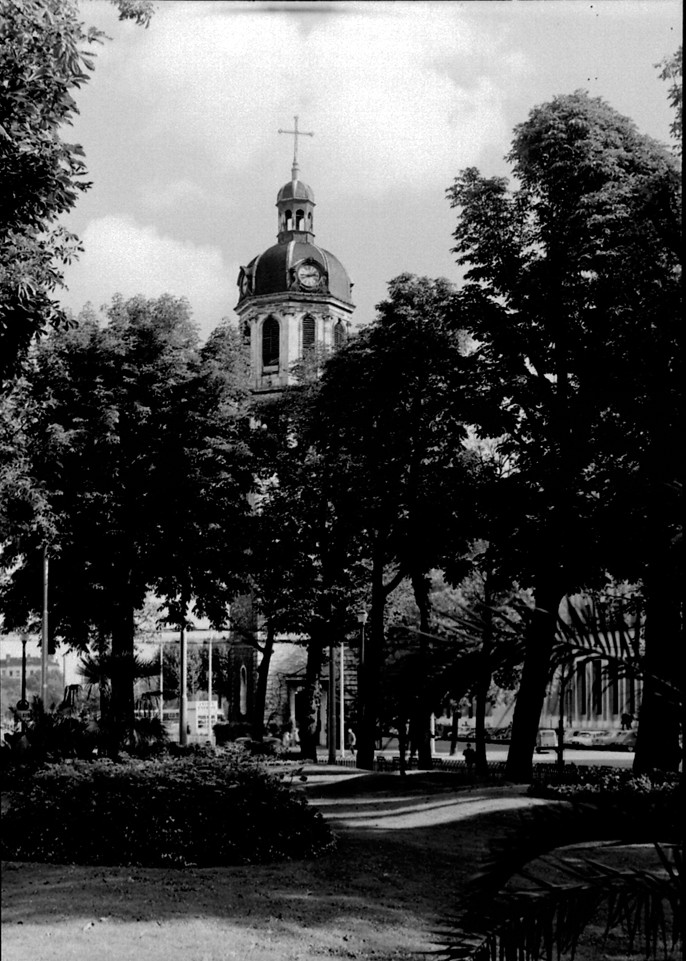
582 739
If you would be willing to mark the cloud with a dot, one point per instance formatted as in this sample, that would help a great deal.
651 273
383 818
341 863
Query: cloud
396 93
123 256
159 196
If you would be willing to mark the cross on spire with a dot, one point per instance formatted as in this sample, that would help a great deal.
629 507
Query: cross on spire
296 133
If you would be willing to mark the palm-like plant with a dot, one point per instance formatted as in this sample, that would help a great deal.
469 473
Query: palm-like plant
144 732
546 918
516 913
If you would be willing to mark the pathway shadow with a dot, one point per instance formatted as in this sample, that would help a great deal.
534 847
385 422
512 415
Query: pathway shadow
379 871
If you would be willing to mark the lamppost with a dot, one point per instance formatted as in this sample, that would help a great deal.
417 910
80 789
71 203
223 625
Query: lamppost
23 673
161 704
23 704
331 706
183 683
210 732
45 641
361 620
341 706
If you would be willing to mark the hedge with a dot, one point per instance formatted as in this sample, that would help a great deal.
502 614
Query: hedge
196 810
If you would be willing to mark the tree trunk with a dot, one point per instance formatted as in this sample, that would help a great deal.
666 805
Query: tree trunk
267 650
454 731
422 715
657 741
402 745
481 698
527 713
308 719
121 704
483 684
370 667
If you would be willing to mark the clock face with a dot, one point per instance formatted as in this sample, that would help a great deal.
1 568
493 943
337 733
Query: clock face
309 275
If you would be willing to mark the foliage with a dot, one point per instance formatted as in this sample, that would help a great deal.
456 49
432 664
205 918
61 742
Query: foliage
56 735
673 69
192 810
548 919
539 891
46 53
136 438
391 415
572 298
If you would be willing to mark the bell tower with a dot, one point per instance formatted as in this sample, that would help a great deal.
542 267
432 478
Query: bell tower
296 295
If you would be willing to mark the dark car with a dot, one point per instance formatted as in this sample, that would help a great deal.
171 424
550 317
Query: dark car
624 741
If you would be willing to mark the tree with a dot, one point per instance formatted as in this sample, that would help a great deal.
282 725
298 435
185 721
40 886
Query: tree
673 69
138 442
46 53
563 274
305 569
391 416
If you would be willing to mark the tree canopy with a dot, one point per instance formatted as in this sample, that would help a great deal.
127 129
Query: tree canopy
46 54
572 295
137 440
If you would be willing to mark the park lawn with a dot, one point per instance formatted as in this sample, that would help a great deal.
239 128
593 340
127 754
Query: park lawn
405 852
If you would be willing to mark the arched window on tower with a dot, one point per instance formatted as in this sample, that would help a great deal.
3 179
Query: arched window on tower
289 220
299 220
309 221
270 342
308 331
339 334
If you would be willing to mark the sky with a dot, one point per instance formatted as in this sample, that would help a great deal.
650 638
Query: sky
180 125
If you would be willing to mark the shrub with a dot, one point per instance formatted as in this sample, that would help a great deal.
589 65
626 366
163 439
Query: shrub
225 731
193 810
633 805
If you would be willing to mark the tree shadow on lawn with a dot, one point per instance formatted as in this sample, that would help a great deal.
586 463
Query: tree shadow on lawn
406 876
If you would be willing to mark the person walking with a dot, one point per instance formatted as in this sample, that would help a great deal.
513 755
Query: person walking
469 754
352 740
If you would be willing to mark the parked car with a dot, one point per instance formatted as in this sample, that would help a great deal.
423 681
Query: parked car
604 740
582 739
546 738
624 741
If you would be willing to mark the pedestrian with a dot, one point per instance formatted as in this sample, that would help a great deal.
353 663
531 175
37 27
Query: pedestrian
627 721
469 754
352 740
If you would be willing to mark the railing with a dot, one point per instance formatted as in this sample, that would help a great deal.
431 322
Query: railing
496 769
383 763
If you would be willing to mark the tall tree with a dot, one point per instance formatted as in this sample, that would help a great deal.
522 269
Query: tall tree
137 444
563 273
46 53
305 562
391 416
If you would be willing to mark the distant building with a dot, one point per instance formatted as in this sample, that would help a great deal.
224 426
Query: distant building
10 666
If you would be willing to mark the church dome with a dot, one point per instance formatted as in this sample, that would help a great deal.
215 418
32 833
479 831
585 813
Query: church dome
273 272
295 190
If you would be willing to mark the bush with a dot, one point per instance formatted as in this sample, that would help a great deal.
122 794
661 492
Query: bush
193 810
58 735
225 731
637 804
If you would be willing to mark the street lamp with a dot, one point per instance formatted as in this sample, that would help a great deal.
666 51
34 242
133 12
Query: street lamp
23 704
361 620
341 706
210 732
